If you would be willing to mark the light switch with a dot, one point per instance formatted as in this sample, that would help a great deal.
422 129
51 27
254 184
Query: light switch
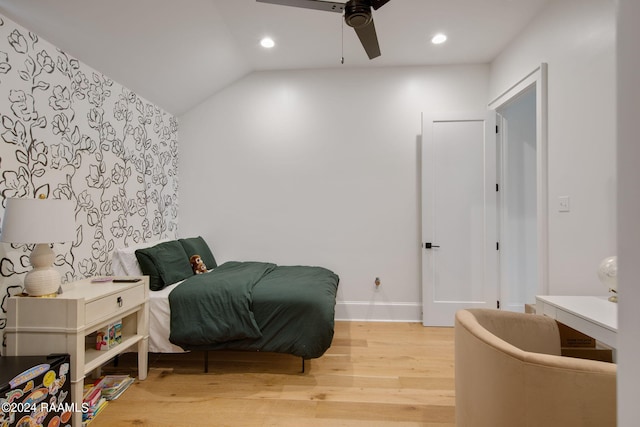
563 204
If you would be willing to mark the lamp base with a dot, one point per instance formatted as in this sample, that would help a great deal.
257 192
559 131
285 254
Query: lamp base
43 280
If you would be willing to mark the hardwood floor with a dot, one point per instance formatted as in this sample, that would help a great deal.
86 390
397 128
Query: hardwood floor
374 374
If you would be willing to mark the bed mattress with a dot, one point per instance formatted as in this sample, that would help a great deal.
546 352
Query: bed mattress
160 320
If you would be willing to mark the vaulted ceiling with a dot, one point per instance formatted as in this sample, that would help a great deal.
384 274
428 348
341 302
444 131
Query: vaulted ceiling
178 53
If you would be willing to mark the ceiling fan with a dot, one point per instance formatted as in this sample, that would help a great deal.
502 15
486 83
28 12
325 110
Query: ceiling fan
357 14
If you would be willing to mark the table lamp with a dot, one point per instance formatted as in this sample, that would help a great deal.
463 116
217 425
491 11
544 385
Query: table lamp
40 221
608 275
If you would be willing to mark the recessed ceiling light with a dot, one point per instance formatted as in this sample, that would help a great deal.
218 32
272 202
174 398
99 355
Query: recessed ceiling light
439 39
267 42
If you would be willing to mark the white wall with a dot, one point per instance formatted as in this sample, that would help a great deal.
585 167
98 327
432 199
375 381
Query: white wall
577 40
321 167
628 114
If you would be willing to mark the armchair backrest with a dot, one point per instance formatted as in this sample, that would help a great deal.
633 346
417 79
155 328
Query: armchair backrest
509 372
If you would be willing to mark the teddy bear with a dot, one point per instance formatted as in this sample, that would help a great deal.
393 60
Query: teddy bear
197 264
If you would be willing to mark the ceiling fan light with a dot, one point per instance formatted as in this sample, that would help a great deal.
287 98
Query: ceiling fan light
267 43
439 38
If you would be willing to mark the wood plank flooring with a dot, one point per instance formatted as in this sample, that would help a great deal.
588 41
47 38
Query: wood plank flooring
374 374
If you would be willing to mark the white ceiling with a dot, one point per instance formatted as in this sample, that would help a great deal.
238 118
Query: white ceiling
178 53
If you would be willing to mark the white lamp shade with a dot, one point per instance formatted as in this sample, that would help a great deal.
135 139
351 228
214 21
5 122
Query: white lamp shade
608 272
38 221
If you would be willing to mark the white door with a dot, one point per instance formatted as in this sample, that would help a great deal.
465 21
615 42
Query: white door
459 223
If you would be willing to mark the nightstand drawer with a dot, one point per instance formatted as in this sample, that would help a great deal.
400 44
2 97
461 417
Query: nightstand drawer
110 305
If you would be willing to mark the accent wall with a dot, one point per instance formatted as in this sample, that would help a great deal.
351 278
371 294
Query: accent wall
69 132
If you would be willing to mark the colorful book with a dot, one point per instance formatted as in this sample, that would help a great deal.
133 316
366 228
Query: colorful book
112 386
92 395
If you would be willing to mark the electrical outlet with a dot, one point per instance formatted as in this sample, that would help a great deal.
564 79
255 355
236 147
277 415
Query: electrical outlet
563 204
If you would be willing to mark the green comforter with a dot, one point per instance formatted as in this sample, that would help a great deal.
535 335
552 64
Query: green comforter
256 306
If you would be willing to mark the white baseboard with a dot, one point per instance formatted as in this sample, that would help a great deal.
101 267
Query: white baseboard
517 307
363 311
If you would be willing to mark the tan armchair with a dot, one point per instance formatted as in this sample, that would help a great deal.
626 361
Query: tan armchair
509 373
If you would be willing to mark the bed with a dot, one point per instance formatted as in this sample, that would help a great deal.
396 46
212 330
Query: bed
250 306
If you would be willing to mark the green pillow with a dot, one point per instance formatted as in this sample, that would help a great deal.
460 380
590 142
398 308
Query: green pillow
197 245
165 264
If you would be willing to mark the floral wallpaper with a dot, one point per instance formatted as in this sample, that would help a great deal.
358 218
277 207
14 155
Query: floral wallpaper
69 132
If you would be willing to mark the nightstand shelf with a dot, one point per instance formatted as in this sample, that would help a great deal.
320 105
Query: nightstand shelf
93 359
64 325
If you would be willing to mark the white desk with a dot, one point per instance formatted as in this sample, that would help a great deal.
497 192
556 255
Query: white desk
594 316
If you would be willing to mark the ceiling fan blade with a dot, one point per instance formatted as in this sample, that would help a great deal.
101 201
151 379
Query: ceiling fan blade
328 6
377 4
369 39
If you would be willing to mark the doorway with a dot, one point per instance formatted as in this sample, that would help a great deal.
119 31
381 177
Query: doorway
518 257
522 199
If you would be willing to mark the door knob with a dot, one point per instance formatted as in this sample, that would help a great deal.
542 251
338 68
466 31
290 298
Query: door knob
428 245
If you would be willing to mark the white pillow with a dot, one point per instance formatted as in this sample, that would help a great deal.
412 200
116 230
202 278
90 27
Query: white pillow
124 261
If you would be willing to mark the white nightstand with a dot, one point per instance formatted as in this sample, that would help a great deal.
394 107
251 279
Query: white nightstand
37 326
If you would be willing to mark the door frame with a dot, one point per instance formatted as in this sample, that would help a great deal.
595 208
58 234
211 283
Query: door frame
538 78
